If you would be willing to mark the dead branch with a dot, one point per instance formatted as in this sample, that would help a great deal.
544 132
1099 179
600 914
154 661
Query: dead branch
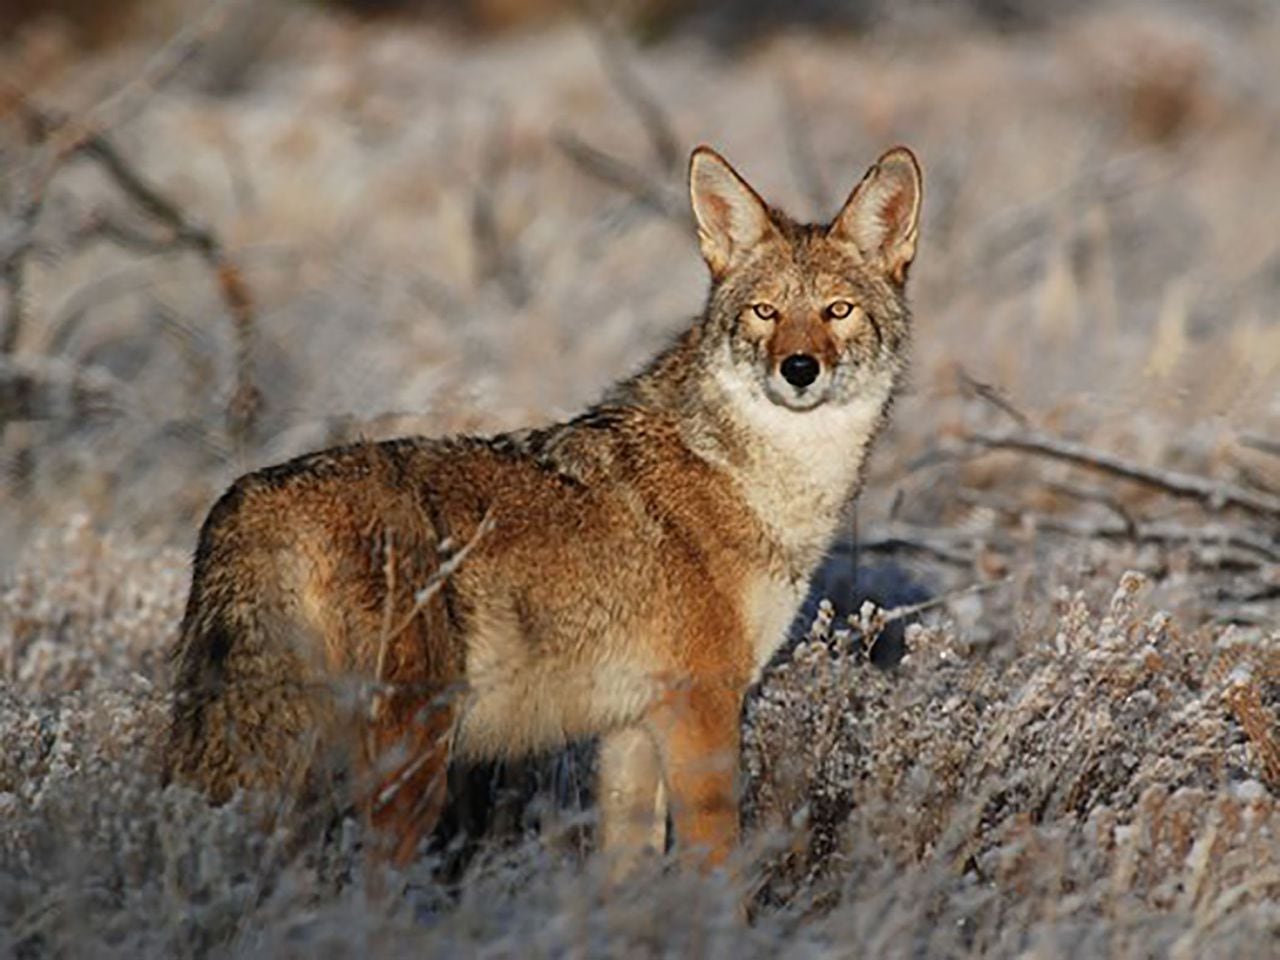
1007 230
994 396
165 63
14 250
870 621
657 192
41 388
447 568
616 60
659 197
1103 498
1257 479
1133 530
801 155
421 597
1261 444
12 266
246 401
498 260
182 232
1213 495
932 547
1167 534
99 226
62 137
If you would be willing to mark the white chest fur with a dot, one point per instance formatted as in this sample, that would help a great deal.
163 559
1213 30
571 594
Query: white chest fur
800 472
801 466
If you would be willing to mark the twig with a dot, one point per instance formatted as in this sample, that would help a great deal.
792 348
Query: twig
1215 496
1262 445
388 610
1006 230
1166 533
15 311
39 388
437 580
655 192
903 544
1136 531
14 250
423 596
184 232
118 107
657 196
618 66
1253 477
994 396
162 66
498 260
99 226
871 620
246 401
62 137
797 134
1100 497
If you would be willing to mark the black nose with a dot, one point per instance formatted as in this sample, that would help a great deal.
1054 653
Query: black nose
800 369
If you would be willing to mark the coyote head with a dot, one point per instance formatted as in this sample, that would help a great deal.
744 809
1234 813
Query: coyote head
807 313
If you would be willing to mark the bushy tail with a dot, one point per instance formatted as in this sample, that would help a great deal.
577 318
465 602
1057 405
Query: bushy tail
249 710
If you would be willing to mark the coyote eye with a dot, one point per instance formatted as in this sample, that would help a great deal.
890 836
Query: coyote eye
839 310
765 311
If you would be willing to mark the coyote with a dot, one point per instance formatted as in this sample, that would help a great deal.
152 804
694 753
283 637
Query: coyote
361 615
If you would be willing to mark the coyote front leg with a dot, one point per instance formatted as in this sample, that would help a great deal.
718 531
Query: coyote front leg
698 736
632 797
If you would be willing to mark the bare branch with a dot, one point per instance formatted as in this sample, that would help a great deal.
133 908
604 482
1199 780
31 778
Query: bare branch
1262 445
498 259
447 568
994 396
932 547
15 247
162 66
871 620
421 597
1213 495
99 226
1207 535
62 137
246 401
797 134
65 137
615 58
40 388
658 197
1131 529
1100 497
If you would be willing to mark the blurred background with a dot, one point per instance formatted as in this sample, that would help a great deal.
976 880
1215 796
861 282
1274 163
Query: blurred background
232 232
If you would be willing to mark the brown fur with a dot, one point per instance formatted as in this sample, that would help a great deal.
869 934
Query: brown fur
629 572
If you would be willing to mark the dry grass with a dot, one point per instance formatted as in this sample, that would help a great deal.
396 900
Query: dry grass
1083 761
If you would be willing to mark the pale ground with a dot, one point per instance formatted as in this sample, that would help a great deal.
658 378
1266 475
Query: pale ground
1080 762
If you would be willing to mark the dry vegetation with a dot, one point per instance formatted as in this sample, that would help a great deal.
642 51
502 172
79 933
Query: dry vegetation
294 227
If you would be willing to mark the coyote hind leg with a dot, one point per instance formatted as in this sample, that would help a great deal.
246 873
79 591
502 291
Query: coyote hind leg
409 742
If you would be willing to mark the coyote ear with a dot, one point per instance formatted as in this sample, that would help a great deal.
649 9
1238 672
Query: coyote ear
731 216
882 215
